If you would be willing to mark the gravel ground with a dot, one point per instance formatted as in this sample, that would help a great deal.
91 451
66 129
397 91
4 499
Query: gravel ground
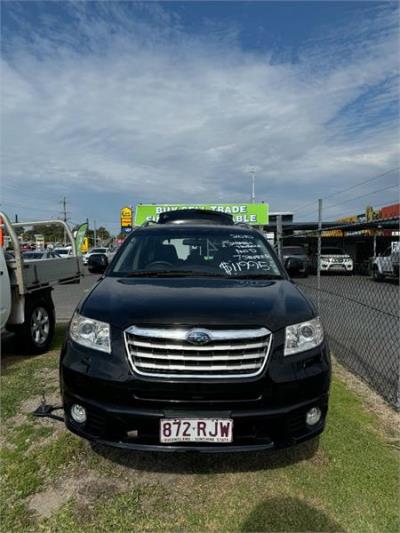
67 297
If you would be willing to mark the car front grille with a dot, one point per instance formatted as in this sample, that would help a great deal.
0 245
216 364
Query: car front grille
229 353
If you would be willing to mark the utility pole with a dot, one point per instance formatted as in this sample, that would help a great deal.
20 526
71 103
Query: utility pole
319 252
64 215
94 233
279 235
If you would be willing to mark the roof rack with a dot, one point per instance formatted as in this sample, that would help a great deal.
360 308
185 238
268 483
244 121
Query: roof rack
195 216
148 223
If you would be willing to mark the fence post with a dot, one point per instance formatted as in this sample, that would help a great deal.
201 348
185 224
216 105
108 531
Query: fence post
279 235
319 253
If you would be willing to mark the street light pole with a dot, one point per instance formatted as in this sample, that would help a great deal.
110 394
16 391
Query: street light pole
253 185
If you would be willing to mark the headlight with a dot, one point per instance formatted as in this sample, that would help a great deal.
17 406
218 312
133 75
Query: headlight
303 336
90 333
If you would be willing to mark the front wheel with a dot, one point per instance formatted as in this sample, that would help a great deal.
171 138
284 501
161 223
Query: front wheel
36 334
376 275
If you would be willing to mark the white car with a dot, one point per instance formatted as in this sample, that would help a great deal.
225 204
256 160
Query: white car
94 251
34 256
336 260
63 252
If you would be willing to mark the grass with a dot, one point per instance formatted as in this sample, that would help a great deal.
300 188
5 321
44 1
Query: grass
53 481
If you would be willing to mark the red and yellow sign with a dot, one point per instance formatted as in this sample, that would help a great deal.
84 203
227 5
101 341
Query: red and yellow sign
126 217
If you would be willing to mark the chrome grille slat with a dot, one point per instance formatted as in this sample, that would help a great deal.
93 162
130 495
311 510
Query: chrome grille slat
170 357
198 368
216 334
209 347
166 352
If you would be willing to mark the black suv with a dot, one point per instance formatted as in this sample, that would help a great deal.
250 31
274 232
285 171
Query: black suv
195 338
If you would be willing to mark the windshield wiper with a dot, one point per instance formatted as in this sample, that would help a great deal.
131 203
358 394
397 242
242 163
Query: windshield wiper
257 276
172 273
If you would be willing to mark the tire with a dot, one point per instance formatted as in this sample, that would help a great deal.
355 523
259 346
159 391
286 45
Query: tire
36 334
376 275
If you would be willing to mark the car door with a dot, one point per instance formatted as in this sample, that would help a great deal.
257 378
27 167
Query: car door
387 260
5 291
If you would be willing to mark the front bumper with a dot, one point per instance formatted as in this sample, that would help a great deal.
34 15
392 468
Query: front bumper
336 267
138 429
124 410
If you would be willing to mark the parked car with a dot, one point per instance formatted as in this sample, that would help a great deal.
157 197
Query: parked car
297 258
94 251
195 338
40 255
334 259
387 264
63 252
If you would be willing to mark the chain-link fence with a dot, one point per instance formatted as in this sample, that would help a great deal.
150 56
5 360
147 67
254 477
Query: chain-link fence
354 282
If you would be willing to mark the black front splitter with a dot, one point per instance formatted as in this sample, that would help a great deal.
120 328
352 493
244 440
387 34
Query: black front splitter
234 448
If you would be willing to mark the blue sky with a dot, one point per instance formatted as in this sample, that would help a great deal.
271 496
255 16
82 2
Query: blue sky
124 102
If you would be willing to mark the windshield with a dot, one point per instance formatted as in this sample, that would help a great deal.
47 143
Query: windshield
189 251
293 250
333 251
98 251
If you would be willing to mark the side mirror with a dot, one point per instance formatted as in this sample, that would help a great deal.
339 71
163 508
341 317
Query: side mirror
98 263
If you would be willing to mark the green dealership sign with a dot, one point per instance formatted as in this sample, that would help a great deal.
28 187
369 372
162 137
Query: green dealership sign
256 214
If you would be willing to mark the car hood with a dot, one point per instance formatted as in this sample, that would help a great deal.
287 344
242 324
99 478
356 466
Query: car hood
123 302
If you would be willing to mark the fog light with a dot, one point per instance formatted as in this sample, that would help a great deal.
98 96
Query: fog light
313 416
78 413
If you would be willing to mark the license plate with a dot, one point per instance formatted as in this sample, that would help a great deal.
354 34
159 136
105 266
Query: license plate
196 430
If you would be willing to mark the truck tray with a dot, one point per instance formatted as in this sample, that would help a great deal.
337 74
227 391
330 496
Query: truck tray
45 272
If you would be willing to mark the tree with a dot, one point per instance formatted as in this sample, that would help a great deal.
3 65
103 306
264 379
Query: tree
51 233
103 233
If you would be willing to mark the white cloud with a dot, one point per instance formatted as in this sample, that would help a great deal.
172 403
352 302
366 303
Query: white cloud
145 109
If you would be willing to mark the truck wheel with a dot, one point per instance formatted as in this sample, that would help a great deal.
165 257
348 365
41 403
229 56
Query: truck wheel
376 275
36 334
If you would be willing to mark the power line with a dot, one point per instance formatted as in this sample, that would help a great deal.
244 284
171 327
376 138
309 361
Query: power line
394 186
362 196
350 188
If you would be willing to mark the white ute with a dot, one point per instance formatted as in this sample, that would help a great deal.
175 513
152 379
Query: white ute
387 264
26 306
